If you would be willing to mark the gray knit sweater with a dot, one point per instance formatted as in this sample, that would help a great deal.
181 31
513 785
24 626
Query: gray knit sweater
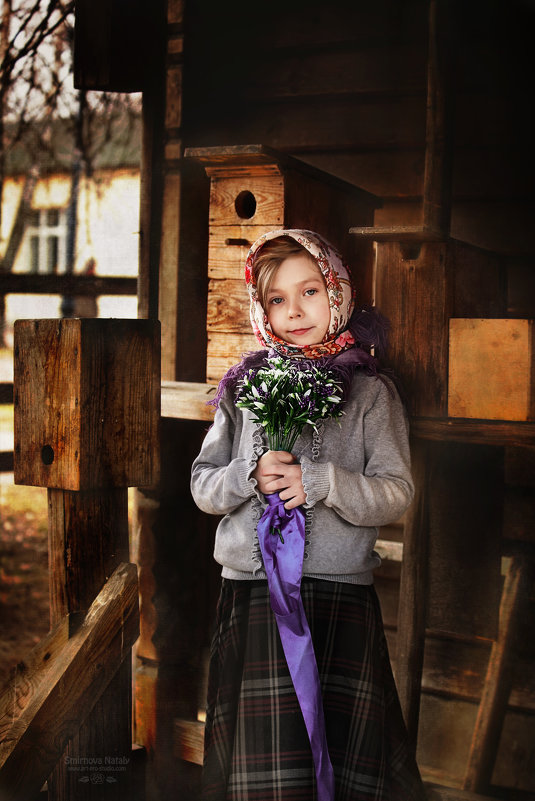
356 476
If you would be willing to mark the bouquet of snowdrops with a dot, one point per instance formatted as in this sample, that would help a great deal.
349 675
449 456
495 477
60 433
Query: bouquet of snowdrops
285 396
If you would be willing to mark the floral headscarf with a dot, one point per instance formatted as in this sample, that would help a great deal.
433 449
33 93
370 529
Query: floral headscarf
339 290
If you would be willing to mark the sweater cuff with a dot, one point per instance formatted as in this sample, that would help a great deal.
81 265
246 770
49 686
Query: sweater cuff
315 480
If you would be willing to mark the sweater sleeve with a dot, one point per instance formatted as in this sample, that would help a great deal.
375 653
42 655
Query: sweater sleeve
384 489
219 482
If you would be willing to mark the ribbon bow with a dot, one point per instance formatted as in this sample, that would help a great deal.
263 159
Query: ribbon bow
281 534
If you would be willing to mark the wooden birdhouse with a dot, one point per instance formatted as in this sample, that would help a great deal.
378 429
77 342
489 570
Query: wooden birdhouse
254 189
86 403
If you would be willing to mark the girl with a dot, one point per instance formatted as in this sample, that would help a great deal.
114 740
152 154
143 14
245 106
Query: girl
351 475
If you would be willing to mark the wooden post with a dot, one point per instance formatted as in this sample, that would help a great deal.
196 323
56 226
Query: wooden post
498 682
87 426
413 595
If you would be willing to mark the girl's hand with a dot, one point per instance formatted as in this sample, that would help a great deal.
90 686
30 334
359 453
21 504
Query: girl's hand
277 471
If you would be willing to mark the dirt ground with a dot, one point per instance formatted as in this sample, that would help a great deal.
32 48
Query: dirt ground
24 606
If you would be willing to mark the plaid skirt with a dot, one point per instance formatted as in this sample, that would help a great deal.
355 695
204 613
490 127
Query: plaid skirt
256 743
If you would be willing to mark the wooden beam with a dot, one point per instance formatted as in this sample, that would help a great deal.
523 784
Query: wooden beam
189 740
480 432
435 792
66 284
187 401
413 595
439 124
54 691
498 682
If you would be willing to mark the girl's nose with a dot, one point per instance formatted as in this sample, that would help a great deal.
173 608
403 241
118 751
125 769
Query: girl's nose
294 309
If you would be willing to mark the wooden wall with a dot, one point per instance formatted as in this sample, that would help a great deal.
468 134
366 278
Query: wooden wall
342 85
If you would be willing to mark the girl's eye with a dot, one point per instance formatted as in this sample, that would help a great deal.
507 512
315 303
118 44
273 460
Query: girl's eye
276 301
310 291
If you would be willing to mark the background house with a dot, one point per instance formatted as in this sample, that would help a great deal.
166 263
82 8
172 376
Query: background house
107 215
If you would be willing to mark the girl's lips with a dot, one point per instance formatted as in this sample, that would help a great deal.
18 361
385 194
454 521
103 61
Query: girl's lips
299 331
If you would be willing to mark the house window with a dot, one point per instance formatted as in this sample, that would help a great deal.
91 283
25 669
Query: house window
46 235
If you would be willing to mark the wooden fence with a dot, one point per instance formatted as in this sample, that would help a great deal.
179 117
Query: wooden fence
87 415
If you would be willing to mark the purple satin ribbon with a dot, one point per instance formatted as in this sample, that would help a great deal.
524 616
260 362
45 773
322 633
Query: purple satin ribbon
283 562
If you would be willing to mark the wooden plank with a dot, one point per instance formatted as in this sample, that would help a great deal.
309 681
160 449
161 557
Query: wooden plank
187 401
192 279
498 682
485 432
228 306
189 740
92 528
54 692
151 195
439 123
256 199
346 69
6 462
413 595
318 122
465 498
240 161
6 392
419 334
66 284
228 248
435 792
520 466
491 369
225 350
168 281
397 233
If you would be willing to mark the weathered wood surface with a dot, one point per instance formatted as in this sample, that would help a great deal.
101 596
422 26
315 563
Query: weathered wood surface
498 681
187 401
419 289
268 196
437 189
257 160
435 792
465 538
86 403
225 350
413 595
189 740
491 368
151 190
67 284
87 539
415 294
484 432
54 691
6 392
183 278
228 248
228 307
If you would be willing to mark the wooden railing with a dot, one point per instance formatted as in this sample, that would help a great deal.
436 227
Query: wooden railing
87 416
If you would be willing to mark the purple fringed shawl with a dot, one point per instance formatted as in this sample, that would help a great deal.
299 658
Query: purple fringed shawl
369 329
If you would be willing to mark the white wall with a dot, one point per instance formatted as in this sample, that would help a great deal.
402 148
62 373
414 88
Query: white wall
108 231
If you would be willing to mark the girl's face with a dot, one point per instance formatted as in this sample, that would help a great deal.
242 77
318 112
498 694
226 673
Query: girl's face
297 304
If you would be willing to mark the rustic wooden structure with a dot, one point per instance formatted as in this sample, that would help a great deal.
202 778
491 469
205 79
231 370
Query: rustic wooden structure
254 189
345 87
87 422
